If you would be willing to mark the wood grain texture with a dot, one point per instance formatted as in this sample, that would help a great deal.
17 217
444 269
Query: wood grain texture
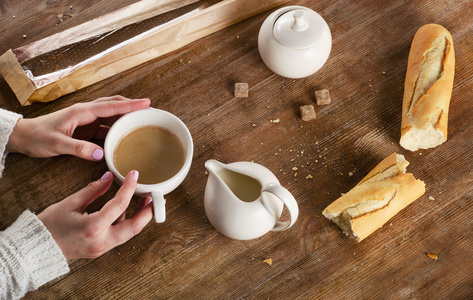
185 257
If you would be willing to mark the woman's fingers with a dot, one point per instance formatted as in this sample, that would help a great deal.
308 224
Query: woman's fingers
85 113
125 230
80 148
120 218
114 208
92 191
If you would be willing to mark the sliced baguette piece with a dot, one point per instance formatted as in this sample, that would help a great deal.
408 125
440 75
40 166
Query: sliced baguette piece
427 88
385 191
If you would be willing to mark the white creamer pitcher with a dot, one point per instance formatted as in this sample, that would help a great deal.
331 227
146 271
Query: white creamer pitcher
244 200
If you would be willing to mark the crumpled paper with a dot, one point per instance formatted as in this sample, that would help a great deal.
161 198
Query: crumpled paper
55 66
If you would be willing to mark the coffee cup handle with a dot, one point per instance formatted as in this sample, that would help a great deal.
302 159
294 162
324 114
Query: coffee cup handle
159 206
286 197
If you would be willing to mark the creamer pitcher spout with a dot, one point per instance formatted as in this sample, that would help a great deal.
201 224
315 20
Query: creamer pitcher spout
214 166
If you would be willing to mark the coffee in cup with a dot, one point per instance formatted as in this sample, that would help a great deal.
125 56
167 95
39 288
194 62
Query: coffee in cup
154 151
158 145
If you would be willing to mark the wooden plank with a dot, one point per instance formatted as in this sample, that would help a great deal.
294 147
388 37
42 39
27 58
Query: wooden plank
185 257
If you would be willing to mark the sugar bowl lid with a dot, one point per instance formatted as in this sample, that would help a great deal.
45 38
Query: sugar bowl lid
299 28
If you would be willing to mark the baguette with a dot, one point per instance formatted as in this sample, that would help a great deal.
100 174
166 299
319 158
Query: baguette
385 191
427 88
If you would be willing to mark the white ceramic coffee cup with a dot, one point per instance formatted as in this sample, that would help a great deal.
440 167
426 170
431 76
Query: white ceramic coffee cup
146 117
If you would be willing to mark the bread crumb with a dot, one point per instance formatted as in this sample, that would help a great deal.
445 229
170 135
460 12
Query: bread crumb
309 177
241 90
274 121
323 97
294 168
307 112
384 73
24 36
350 174
433 256
431 198
269 261
206 173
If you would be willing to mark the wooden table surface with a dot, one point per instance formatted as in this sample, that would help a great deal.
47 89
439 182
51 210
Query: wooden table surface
185 257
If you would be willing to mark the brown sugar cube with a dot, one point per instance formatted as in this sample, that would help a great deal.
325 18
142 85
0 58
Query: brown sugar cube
241 90
307 112
323 97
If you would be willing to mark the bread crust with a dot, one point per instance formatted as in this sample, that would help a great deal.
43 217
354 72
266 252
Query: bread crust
372 202
426 103
394 160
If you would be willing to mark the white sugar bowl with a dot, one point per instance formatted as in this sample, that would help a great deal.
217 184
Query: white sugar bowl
294 42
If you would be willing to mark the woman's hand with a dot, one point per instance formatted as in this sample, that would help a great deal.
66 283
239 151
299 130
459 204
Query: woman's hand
83 235
66 131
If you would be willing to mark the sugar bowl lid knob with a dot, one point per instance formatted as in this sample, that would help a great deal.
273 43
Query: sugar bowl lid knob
299 28
300 23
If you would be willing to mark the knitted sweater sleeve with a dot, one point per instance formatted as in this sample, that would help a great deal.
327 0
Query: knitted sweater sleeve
8 120
29 256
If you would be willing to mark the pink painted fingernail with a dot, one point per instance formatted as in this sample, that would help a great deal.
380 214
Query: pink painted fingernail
148 200
135 175
97 154
106 176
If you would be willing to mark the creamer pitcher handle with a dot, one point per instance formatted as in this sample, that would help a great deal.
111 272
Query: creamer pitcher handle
286 197
159 206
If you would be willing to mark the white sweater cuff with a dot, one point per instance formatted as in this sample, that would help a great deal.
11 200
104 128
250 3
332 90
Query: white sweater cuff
30 254
8 120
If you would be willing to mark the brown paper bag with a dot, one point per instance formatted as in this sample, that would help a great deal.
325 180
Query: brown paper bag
207 18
